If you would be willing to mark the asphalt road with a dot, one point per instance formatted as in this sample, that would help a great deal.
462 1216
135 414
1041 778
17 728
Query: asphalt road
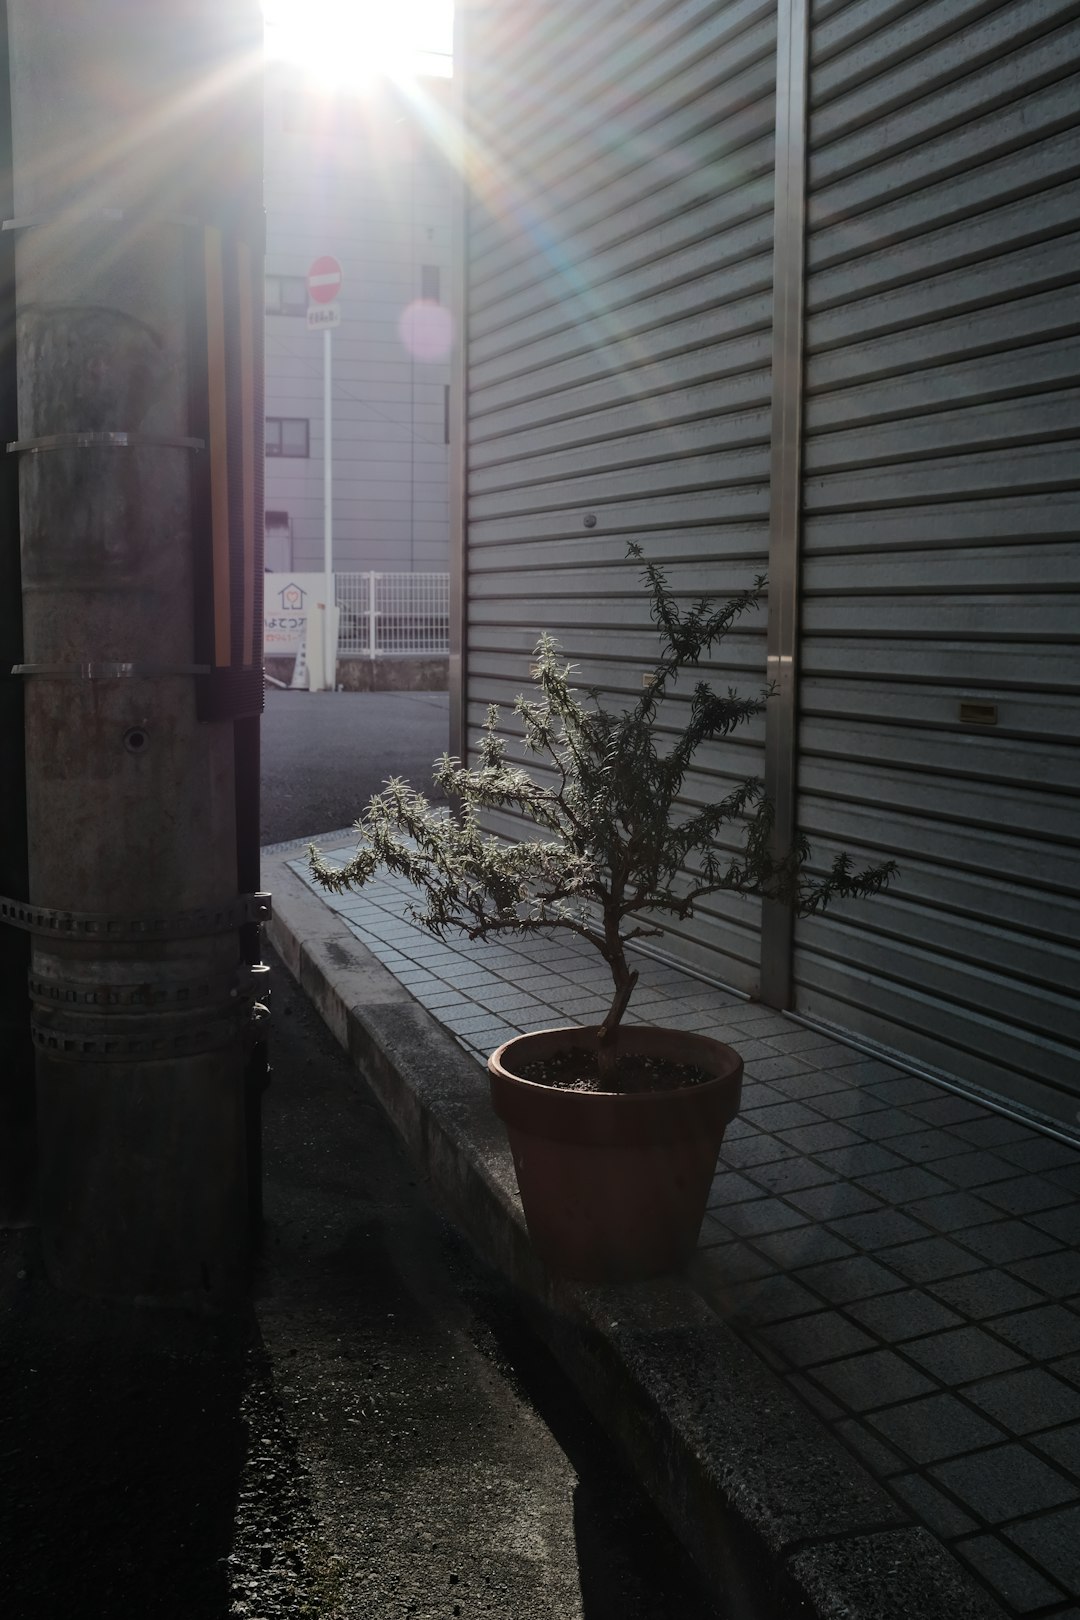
444 1465
377 1436
326 753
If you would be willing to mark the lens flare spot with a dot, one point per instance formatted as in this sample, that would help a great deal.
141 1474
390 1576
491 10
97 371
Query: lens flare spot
426 329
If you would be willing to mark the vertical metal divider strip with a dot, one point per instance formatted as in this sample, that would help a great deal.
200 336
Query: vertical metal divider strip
217 447
785 497
249 435
459 383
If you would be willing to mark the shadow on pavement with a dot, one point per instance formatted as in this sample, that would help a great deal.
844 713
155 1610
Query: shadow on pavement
145 1466
628 1561
121 1449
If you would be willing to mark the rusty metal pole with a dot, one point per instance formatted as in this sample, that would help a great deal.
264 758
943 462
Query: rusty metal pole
137 222
17 1062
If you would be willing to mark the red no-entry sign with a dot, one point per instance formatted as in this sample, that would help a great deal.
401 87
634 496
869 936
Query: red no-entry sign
324 280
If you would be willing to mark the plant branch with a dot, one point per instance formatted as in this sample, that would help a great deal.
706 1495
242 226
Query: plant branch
617 851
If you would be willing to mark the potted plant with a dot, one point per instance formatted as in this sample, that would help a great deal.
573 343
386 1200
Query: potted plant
615 1129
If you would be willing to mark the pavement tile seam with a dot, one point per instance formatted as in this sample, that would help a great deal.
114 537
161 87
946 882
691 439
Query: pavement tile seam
1028 1489
949 1476
974 1168
770 1300
878 1456
1028 1401
837 1281
758 1148
1027 1194
859 1387
778 1335
893 1316
834 1334
953 1501
1062 1447
928 1442
1023 1585
960 1356
983 1294
1040 1332
1061 1560
932 1506
813 1397
845 1102
839 1056
799 1246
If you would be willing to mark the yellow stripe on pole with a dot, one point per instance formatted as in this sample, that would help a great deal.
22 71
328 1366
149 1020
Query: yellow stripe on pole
218 447
247 430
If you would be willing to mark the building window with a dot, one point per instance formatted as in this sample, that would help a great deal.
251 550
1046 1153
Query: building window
277 557
286 295
287 436
429 282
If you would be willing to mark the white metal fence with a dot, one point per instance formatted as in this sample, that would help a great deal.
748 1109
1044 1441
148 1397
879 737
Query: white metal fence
384 614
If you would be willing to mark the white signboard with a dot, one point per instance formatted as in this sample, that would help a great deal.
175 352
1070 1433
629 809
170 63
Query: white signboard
288 599
320 316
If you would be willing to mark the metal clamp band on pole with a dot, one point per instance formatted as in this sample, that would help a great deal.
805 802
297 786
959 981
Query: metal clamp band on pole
168 993
99 1041
96 925
100 216
87 216
103 441
104 671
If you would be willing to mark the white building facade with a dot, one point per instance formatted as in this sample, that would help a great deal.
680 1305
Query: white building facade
360 177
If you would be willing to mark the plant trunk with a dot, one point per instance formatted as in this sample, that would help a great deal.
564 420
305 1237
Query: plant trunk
607 1050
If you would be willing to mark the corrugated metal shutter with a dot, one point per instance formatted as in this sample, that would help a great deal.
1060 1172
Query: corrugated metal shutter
940 556
619 278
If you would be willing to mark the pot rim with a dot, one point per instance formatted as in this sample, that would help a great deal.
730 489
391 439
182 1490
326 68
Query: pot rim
498 1069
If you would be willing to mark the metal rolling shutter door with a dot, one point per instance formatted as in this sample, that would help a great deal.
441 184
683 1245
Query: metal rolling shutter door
940 554
619 311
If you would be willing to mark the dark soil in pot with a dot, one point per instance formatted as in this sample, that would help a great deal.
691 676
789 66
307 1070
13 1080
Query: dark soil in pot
579 1070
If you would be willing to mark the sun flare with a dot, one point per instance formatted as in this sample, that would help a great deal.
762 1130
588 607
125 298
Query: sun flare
347 43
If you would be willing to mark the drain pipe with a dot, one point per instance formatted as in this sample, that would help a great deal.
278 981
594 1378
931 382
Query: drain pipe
137 223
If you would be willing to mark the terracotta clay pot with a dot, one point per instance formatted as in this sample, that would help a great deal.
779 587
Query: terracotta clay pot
614 1187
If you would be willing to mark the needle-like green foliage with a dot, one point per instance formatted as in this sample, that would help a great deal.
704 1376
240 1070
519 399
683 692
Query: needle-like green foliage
614 854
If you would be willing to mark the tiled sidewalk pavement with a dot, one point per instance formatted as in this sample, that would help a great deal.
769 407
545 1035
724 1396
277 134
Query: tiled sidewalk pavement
905 1259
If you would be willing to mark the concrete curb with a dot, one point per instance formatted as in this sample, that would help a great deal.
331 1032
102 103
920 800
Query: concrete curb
774 1512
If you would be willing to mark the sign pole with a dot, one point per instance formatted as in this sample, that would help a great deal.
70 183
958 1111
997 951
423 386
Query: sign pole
329 639
324 284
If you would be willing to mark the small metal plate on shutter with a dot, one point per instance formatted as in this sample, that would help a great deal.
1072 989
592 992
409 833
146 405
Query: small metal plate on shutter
978 714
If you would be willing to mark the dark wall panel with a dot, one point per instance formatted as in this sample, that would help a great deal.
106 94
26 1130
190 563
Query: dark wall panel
939 713
619 265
